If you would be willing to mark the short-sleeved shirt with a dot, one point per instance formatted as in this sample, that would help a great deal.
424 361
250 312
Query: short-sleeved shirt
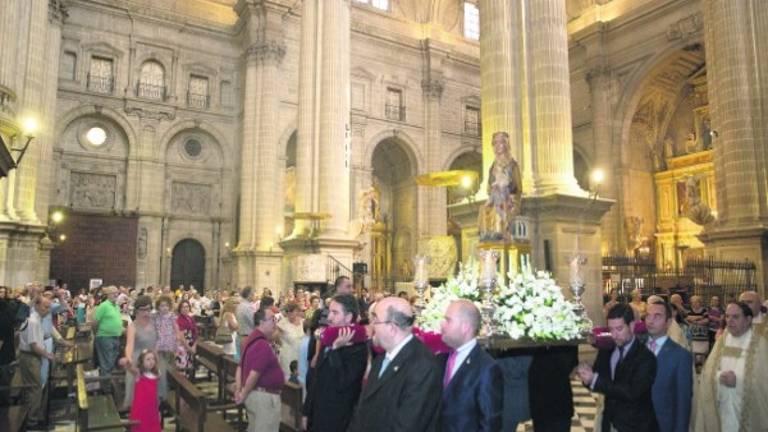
32 332
110 321
258 356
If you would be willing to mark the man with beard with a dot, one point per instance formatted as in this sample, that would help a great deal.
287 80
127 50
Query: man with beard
338 376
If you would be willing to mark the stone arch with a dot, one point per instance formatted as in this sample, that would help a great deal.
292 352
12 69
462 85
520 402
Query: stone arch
458 152
285 138
582 166
220 142
406 143
638 81
63 122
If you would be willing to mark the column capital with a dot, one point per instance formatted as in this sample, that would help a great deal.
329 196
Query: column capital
57 12
267 51
432 88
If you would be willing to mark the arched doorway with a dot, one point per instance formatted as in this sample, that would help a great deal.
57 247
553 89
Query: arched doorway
188 265
393 177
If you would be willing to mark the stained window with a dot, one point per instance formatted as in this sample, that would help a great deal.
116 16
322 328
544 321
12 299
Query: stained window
471 21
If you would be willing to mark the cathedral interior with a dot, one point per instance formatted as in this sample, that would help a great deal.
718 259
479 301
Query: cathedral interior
227 143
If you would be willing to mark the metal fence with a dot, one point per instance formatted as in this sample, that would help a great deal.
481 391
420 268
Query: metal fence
706 277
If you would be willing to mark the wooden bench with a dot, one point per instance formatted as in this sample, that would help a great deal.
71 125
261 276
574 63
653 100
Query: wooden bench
291 404
191 407
97 413
210 356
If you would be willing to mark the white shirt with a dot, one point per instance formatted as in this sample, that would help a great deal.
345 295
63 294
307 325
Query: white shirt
659 343
462 353
396 350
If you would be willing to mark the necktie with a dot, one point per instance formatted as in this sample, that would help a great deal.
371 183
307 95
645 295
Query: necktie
384 365
621 354
652 346
449 368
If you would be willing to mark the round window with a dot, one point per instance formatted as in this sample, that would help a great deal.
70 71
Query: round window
96 136
193 147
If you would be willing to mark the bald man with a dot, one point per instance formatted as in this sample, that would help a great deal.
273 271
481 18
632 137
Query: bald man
404 385
755 302
473 384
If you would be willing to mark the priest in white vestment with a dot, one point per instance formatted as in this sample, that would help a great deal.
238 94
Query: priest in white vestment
733 395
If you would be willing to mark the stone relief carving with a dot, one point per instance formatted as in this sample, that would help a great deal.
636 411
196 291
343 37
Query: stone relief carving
442 253
191 198
634 226
686 27
310 268
141 244
92 190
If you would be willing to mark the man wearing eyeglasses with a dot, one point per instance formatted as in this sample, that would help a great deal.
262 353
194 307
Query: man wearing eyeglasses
404 385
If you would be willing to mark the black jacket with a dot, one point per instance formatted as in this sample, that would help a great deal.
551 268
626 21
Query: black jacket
628 404
335 388
407 396
549 383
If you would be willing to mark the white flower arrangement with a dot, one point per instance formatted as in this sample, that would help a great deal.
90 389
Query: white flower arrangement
533 307
462 286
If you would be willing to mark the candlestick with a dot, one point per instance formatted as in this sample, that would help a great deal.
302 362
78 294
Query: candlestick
421 281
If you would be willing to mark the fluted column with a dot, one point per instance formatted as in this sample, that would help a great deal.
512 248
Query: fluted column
435 222
323 151
550 78
56 15
9 40
32 105
500 77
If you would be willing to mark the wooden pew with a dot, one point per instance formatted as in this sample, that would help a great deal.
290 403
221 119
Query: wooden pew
97 413
210 356
191 407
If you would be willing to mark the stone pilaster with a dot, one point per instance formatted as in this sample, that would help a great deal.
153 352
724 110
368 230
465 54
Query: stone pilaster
735 34
501 77
435 220
9 36
551 98
600 80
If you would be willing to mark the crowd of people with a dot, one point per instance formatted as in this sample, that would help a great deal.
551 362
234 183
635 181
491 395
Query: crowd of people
648 377
364 366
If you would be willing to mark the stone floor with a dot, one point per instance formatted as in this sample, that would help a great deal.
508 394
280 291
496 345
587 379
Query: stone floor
583 420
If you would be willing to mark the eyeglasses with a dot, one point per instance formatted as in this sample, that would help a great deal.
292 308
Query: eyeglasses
381 322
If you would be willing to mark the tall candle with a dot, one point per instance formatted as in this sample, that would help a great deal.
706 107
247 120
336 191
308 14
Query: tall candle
421 275
489 265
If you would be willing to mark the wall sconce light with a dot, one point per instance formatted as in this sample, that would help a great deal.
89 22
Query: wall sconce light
29 128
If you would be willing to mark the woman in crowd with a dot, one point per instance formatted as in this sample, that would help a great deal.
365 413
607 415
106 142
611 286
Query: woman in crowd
141 335
698 325
185 321
227 325
291 332
715 316
314 304
638 305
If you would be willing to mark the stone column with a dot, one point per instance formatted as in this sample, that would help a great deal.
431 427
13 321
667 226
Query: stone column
500 78
550 78
257 256
736 33
9 40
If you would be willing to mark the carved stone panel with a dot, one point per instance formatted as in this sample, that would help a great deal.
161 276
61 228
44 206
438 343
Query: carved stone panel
88 190
141 246
190 198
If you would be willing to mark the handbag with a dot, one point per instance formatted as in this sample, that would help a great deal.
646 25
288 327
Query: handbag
223 334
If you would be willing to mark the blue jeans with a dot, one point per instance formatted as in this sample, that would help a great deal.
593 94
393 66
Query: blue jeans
107 350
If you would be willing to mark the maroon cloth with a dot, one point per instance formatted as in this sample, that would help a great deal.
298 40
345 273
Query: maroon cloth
603 339
331 333
145 408
257 355
186 322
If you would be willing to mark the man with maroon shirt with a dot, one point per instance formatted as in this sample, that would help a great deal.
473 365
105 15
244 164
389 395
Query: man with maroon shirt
259 378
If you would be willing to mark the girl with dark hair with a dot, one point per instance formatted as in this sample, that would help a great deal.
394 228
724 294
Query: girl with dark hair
188 328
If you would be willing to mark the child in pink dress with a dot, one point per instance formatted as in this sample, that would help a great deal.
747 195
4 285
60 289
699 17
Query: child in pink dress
145 408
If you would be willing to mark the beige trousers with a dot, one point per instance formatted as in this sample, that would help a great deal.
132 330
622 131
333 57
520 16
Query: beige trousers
263 411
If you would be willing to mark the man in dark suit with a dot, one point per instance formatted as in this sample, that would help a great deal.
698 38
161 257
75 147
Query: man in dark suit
404 385
338 376
673 388
625 376
472 381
